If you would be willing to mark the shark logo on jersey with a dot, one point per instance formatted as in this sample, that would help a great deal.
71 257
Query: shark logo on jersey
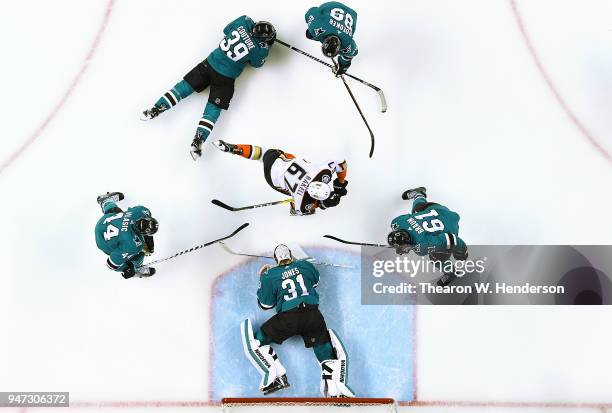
346 50
394 226
318 31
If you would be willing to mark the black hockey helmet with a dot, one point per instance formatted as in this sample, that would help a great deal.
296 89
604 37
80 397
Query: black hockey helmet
264 31
146 226
331 46
400 240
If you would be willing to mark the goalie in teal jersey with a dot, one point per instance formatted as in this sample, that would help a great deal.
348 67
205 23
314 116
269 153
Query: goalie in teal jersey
431 229
126 237
334 25
244 42
290 288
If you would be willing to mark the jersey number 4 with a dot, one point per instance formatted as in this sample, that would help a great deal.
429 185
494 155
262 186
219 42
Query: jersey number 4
238 51
111 230
432 225
291 288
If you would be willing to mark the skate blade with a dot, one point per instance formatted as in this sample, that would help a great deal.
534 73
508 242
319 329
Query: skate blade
275 389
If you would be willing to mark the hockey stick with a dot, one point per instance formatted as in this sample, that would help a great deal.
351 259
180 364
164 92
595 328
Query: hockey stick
381 95
309 259
348 89
233 209
240 228
356 243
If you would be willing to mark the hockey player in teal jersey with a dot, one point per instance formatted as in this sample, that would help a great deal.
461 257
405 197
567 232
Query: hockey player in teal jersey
244 42
431 229
334 25
126 237
290 288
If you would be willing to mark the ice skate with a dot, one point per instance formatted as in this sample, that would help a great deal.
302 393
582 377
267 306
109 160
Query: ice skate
110 197
413 193
227 147
152 113
278 384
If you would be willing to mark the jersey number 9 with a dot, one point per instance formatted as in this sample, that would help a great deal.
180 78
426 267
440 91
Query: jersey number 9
238 52
340 14
291 288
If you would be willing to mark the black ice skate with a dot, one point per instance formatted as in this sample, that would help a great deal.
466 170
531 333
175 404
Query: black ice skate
109 197
152 113
227 147
414 193
278 384
196 147
144 272
446 279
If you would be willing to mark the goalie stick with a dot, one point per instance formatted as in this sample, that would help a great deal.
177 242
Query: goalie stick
234 209
356 243
309 259
381 95
240 228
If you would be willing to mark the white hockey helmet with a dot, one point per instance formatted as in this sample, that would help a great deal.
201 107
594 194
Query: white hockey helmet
319 190
282 253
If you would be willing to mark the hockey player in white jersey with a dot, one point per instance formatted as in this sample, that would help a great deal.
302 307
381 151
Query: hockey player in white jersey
311 184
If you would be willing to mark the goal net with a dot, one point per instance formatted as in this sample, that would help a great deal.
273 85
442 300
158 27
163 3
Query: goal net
308 405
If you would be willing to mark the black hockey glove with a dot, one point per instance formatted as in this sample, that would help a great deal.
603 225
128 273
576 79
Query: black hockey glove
340 187
129 271
339 70
331 202
149 247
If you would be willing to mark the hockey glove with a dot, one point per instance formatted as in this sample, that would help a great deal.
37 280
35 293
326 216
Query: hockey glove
339 70
149 246
340 187
129 271
332 201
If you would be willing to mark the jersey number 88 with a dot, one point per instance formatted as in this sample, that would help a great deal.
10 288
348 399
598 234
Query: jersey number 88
238 52
340 14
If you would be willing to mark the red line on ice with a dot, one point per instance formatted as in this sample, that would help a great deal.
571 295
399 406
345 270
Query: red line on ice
90 54
555 91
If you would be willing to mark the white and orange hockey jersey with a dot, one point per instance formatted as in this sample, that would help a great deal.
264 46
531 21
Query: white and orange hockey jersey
292 176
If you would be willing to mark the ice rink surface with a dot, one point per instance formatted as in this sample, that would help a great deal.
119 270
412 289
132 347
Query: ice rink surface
501 108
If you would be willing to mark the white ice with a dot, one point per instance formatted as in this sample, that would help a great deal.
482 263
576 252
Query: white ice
470 116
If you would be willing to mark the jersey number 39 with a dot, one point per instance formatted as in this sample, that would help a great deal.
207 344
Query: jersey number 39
291 288
238 52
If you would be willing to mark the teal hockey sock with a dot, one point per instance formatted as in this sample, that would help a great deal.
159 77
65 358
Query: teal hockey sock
179 92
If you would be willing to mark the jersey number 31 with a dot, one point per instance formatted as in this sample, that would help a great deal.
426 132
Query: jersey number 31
291 288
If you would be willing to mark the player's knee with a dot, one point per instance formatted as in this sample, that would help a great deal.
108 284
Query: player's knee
324 351
262 338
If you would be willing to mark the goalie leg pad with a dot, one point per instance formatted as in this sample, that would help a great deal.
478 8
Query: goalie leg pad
263 358
334 373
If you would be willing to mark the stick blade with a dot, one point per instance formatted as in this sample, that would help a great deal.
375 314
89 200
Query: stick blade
222 205
383 101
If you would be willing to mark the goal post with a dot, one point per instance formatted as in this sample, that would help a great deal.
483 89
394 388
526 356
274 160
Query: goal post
307 405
